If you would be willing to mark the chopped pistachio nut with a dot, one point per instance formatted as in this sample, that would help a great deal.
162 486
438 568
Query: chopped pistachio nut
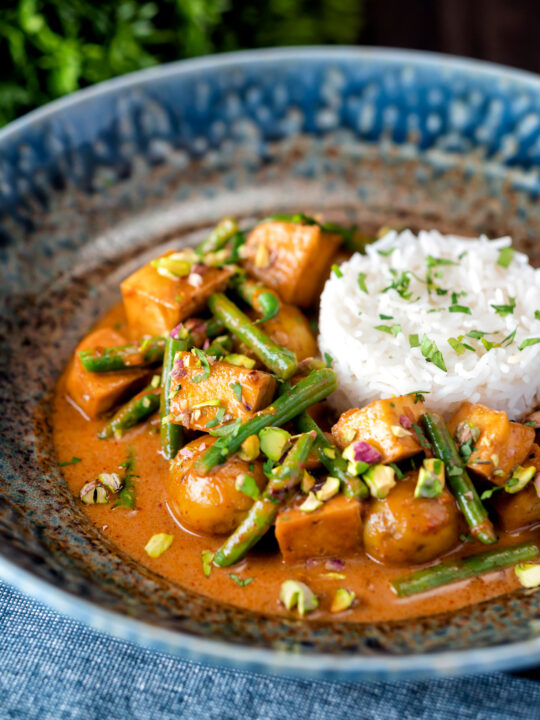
246 484
240 360
206 403
348 435
330 453
528 574
328 490
431 479
111 481
296 594
94 493
262 257
307 483
207 557
380 479
494 459
250 448
172 266
520 478
342 600
354 467
158 544
310 504
273 442
333 575
399 431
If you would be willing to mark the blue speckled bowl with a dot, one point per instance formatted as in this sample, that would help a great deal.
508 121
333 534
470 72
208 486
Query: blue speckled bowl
91 184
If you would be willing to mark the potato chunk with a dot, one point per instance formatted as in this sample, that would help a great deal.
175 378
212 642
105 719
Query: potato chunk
517 510
385 424
155 304
335 529
291 329
403 529
291 258
239 391
94 392
501 444
209 504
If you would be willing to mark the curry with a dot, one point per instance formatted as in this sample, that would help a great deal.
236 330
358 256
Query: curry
192 424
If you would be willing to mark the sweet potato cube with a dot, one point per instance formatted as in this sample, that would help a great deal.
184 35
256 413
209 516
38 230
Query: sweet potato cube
291 258
155 304
335 529
96 392
501 444
385 424
238 391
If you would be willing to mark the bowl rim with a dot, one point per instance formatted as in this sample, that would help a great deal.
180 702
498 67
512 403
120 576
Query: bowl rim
218 652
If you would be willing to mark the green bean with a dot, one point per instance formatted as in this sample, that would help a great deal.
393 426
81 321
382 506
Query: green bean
172 435
329 455
262 299
135 411
219 236
264 510
123 357
458 479
278 359
453 571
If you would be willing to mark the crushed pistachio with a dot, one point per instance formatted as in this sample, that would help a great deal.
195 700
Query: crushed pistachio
94 493
250 448
310 504
158 544
247 484
528 574
342 600
399 431
296 594
328 490
111 481
240 360
307 483
207 557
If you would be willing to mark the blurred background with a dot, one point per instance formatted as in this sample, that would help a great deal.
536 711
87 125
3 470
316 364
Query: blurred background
49 48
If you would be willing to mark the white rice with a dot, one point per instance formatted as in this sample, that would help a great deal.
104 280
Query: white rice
372 364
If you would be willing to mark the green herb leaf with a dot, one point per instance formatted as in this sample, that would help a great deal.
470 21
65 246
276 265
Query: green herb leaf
436 262
386 317
488 493
504 310
126 496
466 538
537 314
457 346
204 362
218 419
528 343
386 253
242 582
246 484
207 557
74 460
432 353
237 390
506 256
362 282
414 341
390 329
509 339
460 309
418 395
329 359
337 271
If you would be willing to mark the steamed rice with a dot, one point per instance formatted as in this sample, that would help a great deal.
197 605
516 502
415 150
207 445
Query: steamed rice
372 363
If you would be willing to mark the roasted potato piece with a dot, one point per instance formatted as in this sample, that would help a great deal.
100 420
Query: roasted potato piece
385 424
241 392
335 529
290 258
517 510
94 392
403 529
501 444
155 304
209 504
290 329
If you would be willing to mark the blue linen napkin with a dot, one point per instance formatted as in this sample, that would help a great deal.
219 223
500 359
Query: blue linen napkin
53 668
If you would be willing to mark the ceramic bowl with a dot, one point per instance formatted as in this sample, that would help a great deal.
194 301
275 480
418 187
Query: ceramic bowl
90 185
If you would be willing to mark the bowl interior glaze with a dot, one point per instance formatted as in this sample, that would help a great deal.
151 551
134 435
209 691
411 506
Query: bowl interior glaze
92 185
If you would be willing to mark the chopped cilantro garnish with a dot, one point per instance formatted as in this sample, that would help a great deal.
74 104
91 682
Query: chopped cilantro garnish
432 353
528 343
237 390
436 262
386 253
460 309
458 346
218 419
488 493
74 460
456 296
390 329
537 314
419 395
504 310
414 341
362 282
267 467
126 496
247 485
400 283
207 557
329 359
509 339
242 582
386 317
204 362
337 271
506 256
466 538
399 474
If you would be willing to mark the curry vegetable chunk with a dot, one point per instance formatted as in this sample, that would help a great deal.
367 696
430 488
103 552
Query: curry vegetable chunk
96 393
291 258
517 510
155 304
387 425
237 391
500 446
334 530
291 329
210 504
403 529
